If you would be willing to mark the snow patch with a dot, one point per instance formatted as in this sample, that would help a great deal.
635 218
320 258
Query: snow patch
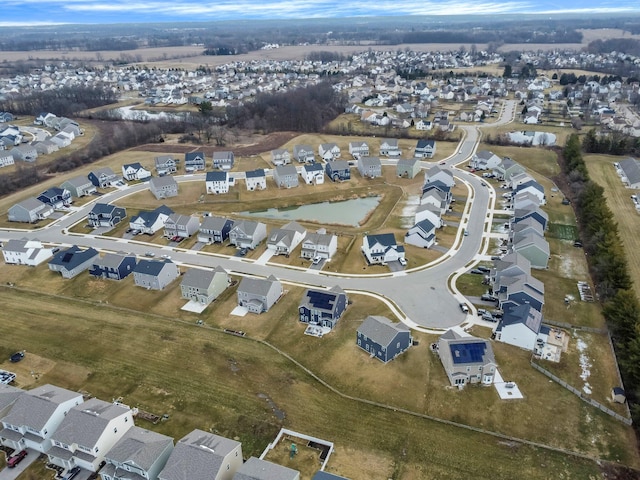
585 365
408 215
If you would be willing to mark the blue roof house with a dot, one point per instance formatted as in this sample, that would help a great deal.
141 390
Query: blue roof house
155 274
382 339
381 249
114 266
72 261
323 307
338 170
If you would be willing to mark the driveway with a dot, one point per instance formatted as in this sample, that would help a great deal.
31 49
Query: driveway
12 473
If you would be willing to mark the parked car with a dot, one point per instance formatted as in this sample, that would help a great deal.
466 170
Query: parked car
481 311
464 308
488 317
242 252
168 257
316 260
72 473
16 459
403 262
16 357
149 254
488 298
466 233
483 269
477 271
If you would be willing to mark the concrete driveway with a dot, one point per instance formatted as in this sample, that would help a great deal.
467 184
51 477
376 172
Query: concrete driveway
13 473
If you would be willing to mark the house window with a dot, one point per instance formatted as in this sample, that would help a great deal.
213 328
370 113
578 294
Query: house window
115 430
398 345
359 343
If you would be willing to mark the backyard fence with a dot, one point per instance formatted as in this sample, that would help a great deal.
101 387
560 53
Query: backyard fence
568 326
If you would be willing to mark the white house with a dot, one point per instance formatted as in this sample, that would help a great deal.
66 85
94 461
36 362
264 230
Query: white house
437 173
312 173
484 160
319 244
256 179
284 240
381 249
519 326
422 234
25 252
6 159
329 151
135 171
359 149
217 182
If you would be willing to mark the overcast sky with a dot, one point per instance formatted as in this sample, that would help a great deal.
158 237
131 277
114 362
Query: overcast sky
25 12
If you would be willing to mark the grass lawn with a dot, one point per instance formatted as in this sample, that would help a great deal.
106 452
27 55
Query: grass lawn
470 285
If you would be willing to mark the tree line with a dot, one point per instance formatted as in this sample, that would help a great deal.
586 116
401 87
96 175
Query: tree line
64 102
612 143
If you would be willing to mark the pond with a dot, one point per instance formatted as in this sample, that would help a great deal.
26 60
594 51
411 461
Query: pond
345 212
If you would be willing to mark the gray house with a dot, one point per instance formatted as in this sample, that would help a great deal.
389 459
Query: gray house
223 160
214 229
285 176
204 286
247 234
24 152
73 261
303 153
165 165
194 161
155 274
105 215
383 339
103 177
389 147
280 156
285 239
257 294
183 226
370 167
29 211
79 186
256 469
408 167
466 359
163 187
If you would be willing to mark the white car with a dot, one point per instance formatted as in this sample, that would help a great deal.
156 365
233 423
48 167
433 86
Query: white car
403 262
168 257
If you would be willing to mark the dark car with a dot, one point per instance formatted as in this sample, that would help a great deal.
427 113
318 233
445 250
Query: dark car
243 252
16 357
72 473
488 298
483 269
16 459
477 271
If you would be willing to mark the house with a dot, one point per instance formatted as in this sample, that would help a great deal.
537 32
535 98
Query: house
424 125
389 147
155 274
223 160
258 295
285 239
103 177
43 118
370 167
437 199
113 266
204 285
247 234
163 187
534 188
139 454
61 140
25 252
319 245
280 156
312 173
183 226
408 167
485 160
256 179
534 248
439 174
519 289
135 171
257 469
285 176
24 153
323 307
425 148
429 212
165 165
381 249
46 147
524 200
56 197
201 455
359 149
73 261
8 396
29 211
87 433
466 359
6 159
194 162
217 182
214 229
79 186
105 215
338 170
6 117
303 153
507 169
329 151
34 417
383 339
534 212
150 222
519 326
630 172
422 234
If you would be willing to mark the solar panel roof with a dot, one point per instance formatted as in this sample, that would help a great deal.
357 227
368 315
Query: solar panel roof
467 352
321 300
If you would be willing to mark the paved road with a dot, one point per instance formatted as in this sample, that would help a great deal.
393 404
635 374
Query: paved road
422 296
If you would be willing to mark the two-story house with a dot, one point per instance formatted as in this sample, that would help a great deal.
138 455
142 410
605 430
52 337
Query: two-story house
113 266
285 239
103 177
258 295
105 215
163 187
194 162
312 173
466 359
280 156
338 170
214 229
323 307
181 226
135 171
285 176
165 165
29 211
303 153
56 197
25 252
247 234
79 186
381 248
155 274
72 261
150 222
319 244
204 285
217 182
256 179
370 167
223 160
383 339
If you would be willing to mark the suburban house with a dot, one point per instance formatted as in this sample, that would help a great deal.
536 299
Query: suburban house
630 172
204 285
319 245
183 226
61 139
383 339
46 147
214 229
163 187
425 149
507 169
329 151
34 417
155 274
381 249
303 153
258 295
25 252
135 171
6 159
439 174
79 186
139 454
24 153
533 247
524 200
165 165
194 162
519 326
312 173
524 227
29 211
87 433
534 188
103 177
370 167
519 289
8 395
150 222
338 170
429 212
105 215
466 359
408 167
73 261
285 239
247 234
323 307
424 125
257 469
485 160
256 179
201 455
532 212
217 182
56 197
223 160
422 234
285 176
359 149
280 156
436 198
113 266
389 147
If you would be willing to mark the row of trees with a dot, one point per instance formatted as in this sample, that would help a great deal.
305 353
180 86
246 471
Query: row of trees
65 102
612 143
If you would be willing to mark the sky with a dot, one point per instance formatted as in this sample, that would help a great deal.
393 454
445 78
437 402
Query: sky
39 12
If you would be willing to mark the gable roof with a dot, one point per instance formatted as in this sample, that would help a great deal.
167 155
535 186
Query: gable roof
459 350
36 406
151 267
258 173
522 314
381 330
322 299
257 286
214 223
139 447
256 469
384 239
217 176
112 260
72 257
200 278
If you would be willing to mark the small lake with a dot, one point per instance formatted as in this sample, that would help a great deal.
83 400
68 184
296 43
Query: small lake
346 212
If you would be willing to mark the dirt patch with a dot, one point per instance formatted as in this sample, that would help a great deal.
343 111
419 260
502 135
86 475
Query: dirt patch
29 370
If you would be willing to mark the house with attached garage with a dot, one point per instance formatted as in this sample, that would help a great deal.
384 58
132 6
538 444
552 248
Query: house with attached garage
329 151
24 153
217 182
323 307
524 200
381 249
507 169
163 187
29 211
438 196
425 148
285 239
6 117
73 261
280 156
303 153
520 289
389 147
424 125
359 149
519 326
383 339
422 234
61 139
56 197
165 165
43 118
526 226
214 229
338 170
223 160
312 173
105 215
79 186
438 174
194 162
256 179
534 188
139 454
247 234
183 226
113 266
429 212
25 252
485 160
533 247
257 469
201 455
319 245
466 359
630 172
103 177
150 222
6 159
34 417
46 147
259 294
531 212
135 171
155 274
407 167
370 167
286 176
204 285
